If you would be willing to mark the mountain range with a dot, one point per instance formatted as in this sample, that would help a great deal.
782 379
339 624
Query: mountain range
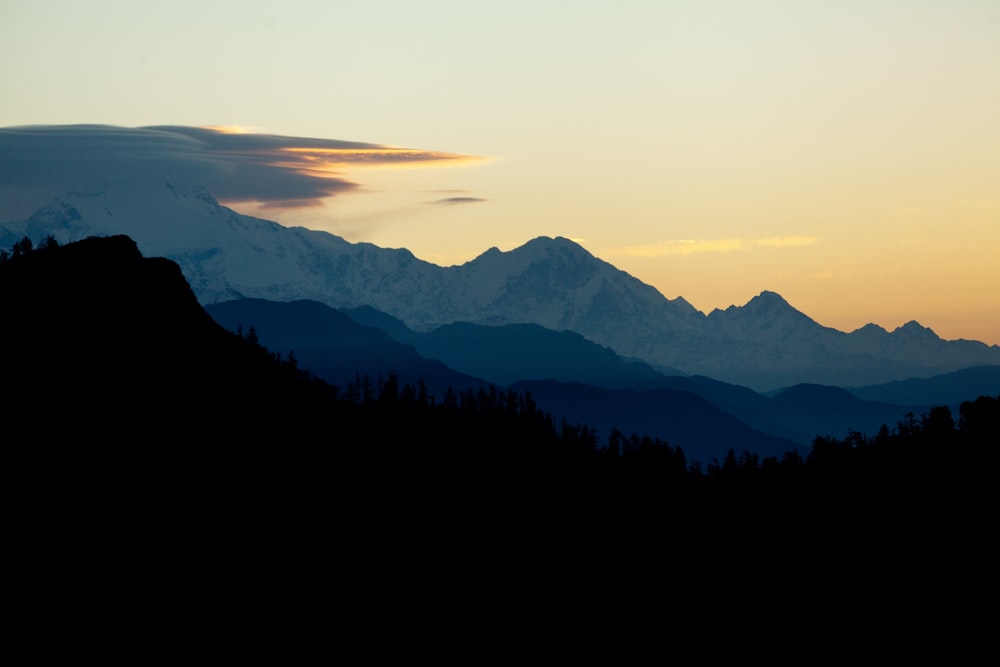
581 382
133 415
575 380
552 283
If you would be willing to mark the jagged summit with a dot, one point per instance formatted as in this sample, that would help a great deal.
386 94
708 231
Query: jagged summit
767 296
871 329
549 281
538 248
547 242
768 311
765 299
772 304
914 329
492 251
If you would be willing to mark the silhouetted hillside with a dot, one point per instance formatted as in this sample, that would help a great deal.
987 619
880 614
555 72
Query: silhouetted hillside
125 399
520 356
335 347
514 352
823 411
103 342
682 418
946 389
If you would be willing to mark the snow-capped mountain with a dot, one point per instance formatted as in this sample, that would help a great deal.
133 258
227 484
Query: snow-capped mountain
768 343
225 255
551 282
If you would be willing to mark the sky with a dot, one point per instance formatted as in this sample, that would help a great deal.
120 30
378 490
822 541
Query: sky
844 154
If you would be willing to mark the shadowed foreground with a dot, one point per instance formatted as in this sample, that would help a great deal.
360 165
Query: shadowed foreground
146 443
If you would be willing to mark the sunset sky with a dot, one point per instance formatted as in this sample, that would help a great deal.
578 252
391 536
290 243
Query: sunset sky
844 154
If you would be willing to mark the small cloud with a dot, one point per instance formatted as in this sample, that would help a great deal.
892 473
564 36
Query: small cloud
696 246
452 201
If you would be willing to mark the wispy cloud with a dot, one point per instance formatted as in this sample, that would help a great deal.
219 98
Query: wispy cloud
694 246
235 164
452 201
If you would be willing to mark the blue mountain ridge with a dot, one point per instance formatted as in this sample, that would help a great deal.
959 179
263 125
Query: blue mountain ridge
626 396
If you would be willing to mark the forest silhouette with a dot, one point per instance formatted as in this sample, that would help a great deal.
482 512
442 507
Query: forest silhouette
128 405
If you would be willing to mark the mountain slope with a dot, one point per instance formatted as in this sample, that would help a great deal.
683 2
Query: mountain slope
225 255
831 411
510 353
557 284
101 342
681 418
334 347
516 354
946 389
551 282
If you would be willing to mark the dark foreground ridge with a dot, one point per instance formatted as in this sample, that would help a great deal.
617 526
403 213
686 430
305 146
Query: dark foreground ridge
132 415
107 346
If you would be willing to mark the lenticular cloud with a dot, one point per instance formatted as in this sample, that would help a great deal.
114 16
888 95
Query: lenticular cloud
273 170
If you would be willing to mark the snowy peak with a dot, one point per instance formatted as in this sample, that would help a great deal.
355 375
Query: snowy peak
914 331
870 330
764 302
164 217
540 249
558 284
223 254
769 300
770 304
549 244
60 218
765 316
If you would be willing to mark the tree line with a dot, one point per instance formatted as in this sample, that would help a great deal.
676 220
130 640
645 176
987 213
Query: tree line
400 431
